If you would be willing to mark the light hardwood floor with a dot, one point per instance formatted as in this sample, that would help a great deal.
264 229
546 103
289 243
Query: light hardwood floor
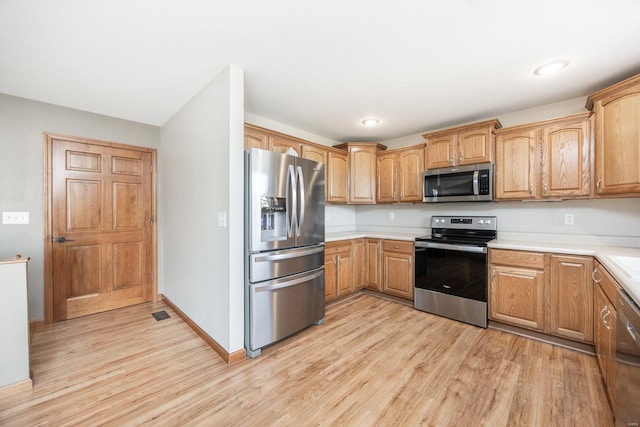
374 362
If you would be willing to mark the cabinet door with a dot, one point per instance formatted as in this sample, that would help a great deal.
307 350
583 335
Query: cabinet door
571 309
386 177
330 264
344 277
566 160
373 264
517 296
255 139
281 144
358 262
440 151
410 168
517 165
362 174
337 172
398 277
617 147
474 146
317 154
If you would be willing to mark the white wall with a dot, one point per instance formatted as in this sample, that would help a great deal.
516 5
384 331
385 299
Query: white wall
543 112
603 222
22 126
202 177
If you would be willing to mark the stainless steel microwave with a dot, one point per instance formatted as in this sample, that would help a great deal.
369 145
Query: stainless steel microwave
472 183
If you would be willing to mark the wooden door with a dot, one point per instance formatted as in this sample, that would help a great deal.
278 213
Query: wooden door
517 165
566 160
320 155
358 264
474 146
617 151
571 303
362 173
373 264
386 177
517 296
102 250
330 262
397 268
337 173
410 168
255 139
440 151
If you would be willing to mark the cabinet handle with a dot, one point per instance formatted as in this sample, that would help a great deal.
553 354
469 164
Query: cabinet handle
531 190
598 185
593 276
604 319
460 160
394 195
401 195
451 160
602 313
339 261
396 247
544 188
493 274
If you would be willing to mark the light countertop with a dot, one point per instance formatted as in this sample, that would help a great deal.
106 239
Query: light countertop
346 235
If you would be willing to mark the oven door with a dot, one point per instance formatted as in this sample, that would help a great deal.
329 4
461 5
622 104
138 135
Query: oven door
457 270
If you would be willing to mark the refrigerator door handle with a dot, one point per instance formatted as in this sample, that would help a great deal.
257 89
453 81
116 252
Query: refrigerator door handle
297 254
300 178
291 203
290 282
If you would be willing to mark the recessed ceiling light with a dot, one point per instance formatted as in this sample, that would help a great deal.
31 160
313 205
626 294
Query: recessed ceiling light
370 122
551 67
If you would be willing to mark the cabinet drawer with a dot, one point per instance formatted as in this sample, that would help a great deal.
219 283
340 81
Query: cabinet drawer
397 246
339 247
517 258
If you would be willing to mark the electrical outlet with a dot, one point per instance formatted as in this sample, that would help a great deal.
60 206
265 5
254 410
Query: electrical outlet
222 219
15 217
392 216
569 219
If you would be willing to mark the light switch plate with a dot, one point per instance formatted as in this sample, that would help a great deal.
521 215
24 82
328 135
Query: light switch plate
222 219
15 217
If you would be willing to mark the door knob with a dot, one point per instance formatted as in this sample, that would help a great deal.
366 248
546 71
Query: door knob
62 239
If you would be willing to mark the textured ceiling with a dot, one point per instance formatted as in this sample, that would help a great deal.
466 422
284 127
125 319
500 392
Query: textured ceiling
319 66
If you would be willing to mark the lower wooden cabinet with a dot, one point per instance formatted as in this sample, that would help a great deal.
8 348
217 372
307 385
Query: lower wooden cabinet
358 252
397 268
605 320
373 261
377 264
571 297
549 293
338 267
517 288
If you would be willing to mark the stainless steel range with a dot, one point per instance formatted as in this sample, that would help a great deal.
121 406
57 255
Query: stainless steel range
451 268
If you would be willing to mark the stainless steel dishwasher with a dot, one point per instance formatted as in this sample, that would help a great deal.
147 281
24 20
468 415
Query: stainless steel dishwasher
627 411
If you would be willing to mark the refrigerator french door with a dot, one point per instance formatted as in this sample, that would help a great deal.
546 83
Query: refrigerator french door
284 268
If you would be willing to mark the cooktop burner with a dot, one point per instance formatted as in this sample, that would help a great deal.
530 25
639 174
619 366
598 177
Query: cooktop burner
470 230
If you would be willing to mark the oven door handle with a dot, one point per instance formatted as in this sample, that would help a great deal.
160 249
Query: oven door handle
449 247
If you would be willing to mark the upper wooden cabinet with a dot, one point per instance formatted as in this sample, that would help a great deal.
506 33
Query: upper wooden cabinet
362 171
337 177
254 138
464 145
617 138
399 177
549 159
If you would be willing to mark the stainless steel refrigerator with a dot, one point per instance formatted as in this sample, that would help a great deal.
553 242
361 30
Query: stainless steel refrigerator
284 266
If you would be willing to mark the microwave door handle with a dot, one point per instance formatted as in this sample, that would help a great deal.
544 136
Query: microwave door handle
475 183
300 176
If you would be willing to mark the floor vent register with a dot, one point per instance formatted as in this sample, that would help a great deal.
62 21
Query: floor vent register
160 315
